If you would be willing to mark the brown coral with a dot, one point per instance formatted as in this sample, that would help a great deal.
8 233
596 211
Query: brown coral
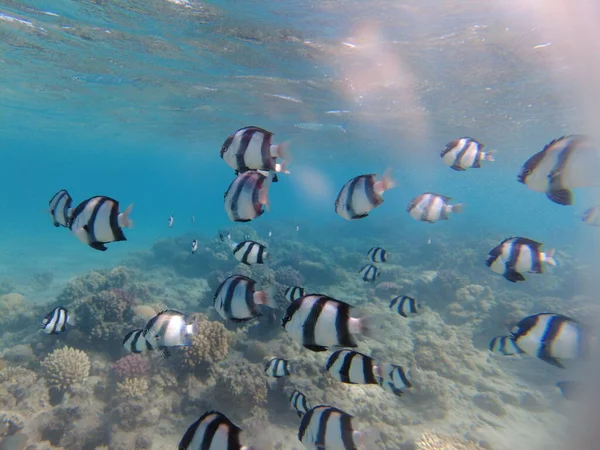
432 441
209 345
65 367
243 387
132 388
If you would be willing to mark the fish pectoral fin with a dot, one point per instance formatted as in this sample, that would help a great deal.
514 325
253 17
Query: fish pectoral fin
98 246
457 168
165 352
513 276
315 348
561 196
552 361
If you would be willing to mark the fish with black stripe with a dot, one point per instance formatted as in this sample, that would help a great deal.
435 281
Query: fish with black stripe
465 153
212 431
170 328
377 255
97 221
135 342
431 207
362 194
515 256
504 345
194 246
369 273
60 208
247 251
352 367
237 299
56 321
294 292
299 403
404 305
318 322
328 428
566 163
248 196
552 337
277 368
251 148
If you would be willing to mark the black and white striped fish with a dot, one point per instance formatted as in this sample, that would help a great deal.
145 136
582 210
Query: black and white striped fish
247 252
237 299
250 148
212 431
170 328
318 322
194 246
294 292
465 153
504 345
170 221
299 403
404 305
248 196
566 163
352 367
592 216
97 221
369 273
56 321
377 255
60 208
135 342
515 256
325 427
277 368
362 194
552 337
431 207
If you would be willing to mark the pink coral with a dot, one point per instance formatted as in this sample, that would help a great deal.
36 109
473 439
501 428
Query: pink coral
131 366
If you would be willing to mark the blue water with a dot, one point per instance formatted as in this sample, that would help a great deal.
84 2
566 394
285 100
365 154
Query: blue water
133 100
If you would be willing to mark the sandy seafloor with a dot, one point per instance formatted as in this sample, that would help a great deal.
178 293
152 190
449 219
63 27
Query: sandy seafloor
105 399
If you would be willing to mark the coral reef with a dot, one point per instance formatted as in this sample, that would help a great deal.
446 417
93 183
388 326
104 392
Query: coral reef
65 367
242 387
132 388
132 366
432 441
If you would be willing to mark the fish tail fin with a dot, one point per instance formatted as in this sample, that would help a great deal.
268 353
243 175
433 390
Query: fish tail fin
124 220
344 128
367 439
489 155
369 325
282 151
266 297
71 320
264 192
191 330
457 208
387 181
549 257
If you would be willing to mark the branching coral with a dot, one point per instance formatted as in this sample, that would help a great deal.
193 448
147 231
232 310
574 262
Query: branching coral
432 441
131 366
242 387
66 366
132 388
209 346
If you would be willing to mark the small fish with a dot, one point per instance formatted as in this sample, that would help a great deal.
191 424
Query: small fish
294 292
431 207
377 255
247 252
250 148
97 221
237 299
325 427
248 196
194 246
299 403
56 321
404 305
394 379
270 233
297 227
369 273
60 208
318 322
566 163
171 221
193 219
338 112
313 126
277 368
170 328
504 345
552 337
212 431
135 342
592 216
362 194
571 390
516 256
464 153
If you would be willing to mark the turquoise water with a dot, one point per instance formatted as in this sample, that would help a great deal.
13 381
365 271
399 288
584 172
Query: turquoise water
133 100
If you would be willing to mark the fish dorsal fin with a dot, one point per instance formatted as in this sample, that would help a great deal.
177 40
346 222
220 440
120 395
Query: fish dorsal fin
445 197
530 242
